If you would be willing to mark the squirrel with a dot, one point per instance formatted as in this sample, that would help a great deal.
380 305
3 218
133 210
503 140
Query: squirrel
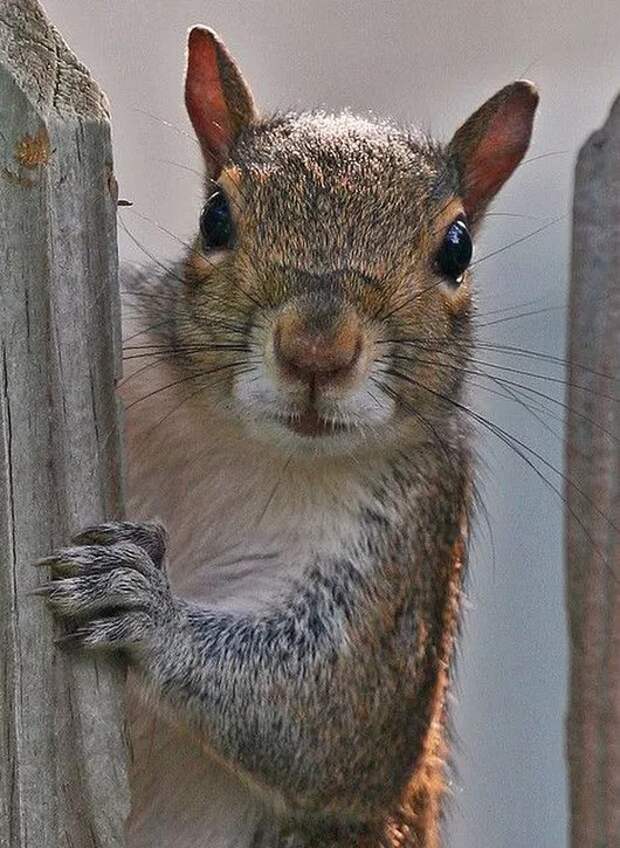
299 426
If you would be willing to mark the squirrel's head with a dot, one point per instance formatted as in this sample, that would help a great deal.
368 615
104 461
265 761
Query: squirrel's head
328 287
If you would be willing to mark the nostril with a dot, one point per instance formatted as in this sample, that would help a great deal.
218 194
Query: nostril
309 356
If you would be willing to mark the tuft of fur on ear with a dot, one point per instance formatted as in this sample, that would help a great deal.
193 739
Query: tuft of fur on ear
218 99
490 144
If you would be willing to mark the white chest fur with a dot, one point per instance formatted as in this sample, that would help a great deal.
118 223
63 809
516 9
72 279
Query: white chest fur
244 519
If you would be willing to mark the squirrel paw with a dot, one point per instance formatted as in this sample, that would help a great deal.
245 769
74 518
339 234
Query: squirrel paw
110 595
149 535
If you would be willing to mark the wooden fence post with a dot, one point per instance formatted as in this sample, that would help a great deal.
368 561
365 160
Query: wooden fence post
593 461
62 752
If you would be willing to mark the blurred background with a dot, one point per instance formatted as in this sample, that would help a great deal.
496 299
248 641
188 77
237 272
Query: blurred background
430 62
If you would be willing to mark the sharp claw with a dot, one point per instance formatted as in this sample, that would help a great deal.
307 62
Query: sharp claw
61 564
46 562
41 591
86 537
69 640
79 539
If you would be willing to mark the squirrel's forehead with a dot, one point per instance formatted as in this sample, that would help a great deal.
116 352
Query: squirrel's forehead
341 155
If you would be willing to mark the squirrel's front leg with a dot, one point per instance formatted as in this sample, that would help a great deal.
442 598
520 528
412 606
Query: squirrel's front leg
305 700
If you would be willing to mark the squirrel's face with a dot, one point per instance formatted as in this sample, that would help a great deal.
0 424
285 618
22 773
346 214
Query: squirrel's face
328 286
320 248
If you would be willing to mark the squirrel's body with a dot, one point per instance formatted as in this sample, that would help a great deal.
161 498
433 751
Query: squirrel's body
297 417
248 555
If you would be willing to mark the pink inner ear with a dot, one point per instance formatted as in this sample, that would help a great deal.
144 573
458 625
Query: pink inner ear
204 98
498 152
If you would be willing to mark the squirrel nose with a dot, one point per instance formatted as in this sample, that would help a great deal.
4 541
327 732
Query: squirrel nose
317 356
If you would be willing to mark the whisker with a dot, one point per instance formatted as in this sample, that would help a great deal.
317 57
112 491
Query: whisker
549 379
191 249
153 258
183 401
418 415
518 241
195 348
512 440
407 302
182 167
512 215
181 380
124 380
529 314
509 308
507 350
274 489
547 155
458 367
167 124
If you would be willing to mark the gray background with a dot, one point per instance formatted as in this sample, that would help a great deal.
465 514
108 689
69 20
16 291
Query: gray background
432 63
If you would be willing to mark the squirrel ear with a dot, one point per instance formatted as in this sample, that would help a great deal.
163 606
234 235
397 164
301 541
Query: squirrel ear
491 143
218 99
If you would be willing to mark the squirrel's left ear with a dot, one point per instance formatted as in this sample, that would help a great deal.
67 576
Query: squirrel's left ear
218 99
491 143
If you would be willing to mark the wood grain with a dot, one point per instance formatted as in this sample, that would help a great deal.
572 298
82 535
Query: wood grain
593 516
62 751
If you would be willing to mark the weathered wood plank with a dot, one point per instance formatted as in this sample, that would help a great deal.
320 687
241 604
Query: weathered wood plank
62 752
593 462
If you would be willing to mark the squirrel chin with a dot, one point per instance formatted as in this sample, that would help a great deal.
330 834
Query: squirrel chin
325 440
308 435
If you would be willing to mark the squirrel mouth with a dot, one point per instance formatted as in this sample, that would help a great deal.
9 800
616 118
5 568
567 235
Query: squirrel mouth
310 423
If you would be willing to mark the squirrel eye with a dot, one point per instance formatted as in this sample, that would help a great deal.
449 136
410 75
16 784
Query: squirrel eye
455 252
216 227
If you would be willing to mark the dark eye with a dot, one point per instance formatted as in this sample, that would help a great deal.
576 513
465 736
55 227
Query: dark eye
216 227
455 252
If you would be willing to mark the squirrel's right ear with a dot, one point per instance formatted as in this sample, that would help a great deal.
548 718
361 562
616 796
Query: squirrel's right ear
490 144
218 99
